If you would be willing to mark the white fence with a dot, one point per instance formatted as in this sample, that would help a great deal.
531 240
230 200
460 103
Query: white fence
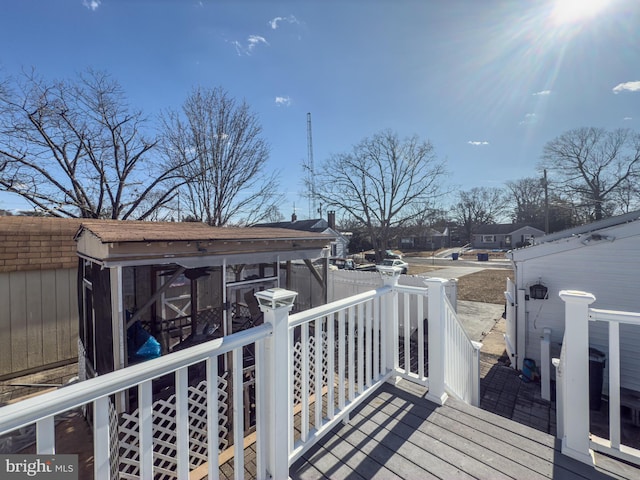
572 376
311 370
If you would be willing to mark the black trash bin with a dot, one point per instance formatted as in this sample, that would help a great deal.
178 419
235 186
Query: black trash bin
596 372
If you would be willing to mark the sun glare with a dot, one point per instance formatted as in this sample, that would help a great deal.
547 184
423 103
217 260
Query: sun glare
572 11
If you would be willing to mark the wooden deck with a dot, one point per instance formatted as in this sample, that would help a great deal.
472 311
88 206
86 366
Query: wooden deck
399 434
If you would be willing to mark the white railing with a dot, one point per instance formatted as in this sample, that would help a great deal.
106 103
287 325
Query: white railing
340 358
311 370
462 369
97 393
573 380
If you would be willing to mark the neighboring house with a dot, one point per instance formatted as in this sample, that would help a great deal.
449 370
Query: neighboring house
428 239
602 258
339 246
504 236
38 294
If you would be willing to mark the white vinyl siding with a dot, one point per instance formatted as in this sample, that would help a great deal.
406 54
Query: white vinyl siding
606 269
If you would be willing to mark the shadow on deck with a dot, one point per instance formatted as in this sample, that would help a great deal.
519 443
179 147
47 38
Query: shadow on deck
400 434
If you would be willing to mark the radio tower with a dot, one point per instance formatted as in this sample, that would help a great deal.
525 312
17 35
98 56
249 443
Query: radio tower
312 173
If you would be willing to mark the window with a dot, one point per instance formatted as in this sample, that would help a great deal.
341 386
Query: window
488 238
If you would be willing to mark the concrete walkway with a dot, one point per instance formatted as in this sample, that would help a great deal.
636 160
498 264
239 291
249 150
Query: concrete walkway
478 318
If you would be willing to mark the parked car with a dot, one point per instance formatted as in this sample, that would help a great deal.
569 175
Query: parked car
391 262
343 263
370 256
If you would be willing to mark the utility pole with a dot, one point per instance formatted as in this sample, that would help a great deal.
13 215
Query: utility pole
312 205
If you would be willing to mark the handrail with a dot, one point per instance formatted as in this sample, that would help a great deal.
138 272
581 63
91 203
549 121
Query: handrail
574 385
303 317
462 368
598 314
28 411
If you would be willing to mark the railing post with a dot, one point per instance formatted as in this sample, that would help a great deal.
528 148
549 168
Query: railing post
545 365
390 277
475 371
452 292
575 376
557 363
276 303
437 360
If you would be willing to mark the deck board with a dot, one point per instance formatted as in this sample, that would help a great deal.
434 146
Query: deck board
434 455
400 434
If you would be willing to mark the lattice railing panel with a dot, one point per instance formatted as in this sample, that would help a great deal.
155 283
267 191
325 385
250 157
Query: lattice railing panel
310 352
113 440
164 432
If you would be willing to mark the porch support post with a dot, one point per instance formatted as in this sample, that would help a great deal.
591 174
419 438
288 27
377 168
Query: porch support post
575 376
276 303
437 351
390 334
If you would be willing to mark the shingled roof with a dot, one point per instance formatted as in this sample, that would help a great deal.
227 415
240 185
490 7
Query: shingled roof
120 231
37 243
49 243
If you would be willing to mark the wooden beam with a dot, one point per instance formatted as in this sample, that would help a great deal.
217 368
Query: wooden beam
314 272
155 296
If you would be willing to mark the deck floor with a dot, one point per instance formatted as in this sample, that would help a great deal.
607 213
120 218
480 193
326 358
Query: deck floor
400 434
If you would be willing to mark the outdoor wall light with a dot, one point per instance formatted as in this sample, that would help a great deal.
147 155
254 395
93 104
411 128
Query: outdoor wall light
273 298
538 291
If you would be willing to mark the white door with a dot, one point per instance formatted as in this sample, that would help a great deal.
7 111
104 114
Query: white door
510 336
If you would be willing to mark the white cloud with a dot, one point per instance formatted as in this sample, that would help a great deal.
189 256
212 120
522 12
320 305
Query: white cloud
290 19
628 86
283 101
542 93
477 143
252 42
91 4
626 119
529 118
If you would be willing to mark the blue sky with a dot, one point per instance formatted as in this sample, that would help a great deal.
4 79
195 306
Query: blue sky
488 82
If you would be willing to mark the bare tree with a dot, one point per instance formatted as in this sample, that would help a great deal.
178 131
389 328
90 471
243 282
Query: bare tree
74 148
594 165
217 146
479 206
379 182
527 197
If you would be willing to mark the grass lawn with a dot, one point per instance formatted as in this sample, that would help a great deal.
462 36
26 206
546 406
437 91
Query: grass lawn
486 286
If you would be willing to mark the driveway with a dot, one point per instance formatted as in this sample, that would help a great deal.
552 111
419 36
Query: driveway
477 318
